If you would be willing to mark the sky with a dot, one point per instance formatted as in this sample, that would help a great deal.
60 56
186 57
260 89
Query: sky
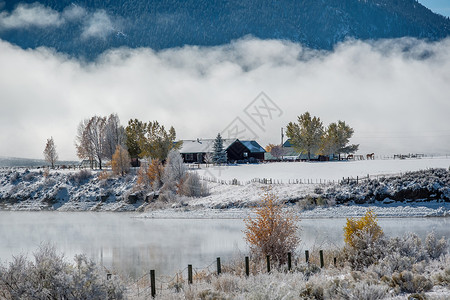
438 6
397 101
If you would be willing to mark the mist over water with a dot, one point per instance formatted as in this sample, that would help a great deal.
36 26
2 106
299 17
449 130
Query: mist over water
133 246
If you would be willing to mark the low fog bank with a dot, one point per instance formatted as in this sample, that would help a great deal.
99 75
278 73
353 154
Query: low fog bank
394 93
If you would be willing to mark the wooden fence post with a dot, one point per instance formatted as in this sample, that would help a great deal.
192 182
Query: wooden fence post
306 256
321 258
247 266
289 261
153 283
268 263
190 274
219 267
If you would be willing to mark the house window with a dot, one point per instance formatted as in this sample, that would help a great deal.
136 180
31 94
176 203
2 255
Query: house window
189 157
245 154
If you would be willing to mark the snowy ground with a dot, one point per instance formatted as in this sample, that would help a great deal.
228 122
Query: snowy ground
69 191
325 171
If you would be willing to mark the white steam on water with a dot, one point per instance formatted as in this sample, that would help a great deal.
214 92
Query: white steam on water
394 93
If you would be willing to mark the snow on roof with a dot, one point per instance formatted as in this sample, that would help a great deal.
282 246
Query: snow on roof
202 145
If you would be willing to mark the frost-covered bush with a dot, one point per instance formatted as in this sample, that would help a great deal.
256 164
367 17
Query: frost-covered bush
435 248
49 276
14 177
364 252
191 186
410 282
80 177
29 176
174 170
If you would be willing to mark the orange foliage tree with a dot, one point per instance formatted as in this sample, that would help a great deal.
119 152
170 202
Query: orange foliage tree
151 175
273 231
365 227
120 162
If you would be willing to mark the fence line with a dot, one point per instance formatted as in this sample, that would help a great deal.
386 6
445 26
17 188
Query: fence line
148 285
273 181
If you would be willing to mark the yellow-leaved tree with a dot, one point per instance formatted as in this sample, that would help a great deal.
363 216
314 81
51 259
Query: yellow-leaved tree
120 162
364 228
273 231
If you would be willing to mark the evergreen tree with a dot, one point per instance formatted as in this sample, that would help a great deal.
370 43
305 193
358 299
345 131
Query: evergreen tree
306 135
219 154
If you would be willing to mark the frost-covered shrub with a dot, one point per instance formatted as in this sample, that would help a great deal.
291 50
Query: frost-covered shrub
167 195
80 177
227 283
360 290
49 276
174 170
403 252
318 190
191 186
435 248
443 277
49 182
14 177
410 282
364 252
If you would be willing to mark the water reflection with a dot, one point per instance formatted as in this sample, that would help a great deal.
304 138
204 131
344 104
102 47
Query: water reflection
134 246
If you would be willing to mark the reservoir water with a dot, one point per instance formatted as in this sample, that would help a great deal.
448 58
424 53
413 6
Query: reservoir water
133 246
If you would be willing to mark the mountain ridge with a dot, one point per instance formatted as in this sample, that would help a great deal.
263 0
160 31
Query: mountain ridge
319 24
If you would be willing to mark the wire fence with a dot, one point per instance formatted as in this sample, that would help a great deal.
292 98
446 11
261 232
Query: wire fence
148 285
294 181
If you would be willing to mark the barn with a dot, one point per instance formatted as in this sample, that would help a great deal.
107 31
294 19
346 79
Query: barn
194 151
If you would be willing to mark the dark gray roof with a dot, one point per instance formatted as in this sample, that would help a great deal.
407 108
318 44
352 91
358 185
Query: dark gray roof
253 146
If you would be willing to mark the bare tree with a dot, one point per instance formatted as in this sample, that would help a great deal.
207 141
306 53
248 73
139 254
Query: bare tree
84 149
50 153
277 151
114 135
209 158
90 139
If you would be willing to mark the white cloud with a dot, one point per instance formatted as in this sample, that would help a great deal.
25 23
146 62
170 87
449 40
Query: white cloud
396 101
74 12
98 25
28 15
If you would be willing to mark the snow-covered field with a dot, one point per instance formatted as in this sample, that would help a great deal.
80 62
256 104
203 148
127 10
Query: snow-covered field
328 171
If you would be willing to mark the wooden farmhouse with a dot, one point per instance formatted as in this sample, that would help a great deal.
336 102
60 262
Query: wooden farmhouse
194 151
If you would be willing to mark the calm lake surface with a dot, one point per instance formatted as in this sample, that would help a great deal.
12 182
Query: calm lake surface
133 246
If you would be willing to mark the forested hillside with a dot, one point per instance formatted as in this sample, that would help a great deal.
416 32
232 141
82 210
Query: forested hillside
87 28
